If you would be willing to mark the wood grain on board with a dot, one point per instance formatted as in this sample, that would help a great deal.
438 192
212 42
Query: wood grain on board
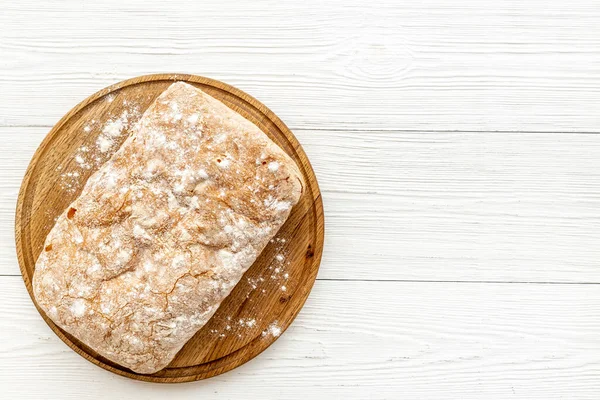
224 342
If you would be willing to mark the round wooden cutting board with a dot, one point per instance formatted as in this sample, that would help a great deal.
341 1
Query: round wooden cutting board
272 291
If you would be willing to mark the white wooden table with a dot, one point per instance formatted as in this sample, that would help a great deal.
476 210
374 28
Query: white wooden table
456 144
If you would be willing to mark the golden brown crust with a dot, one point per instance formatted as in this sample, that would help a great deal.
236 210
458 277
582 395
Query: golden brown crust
163 231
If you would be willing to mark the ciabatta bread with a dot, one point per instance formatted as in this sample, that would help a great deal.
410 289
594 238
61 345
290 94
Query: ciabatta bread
165 229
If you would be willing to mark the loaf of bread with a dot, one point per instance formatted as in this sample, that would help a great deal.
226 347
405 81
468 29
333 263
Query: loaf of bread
165 229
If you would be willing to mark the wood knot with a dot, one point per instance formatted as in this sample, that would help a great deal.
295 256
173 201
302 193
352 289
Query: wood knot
309 252
284 299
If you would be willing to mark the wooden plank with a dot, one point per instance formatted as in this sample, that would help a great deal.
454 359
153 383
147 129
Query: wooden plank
428 65
459 206
426 340
423 206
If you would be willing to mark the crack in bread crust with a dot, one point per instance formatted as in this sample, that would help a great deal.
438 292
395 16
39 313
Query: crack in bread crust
165 229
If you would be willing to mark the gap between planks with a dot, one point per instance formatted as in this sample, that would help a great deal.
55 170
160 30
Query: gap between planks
422 281
390 130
